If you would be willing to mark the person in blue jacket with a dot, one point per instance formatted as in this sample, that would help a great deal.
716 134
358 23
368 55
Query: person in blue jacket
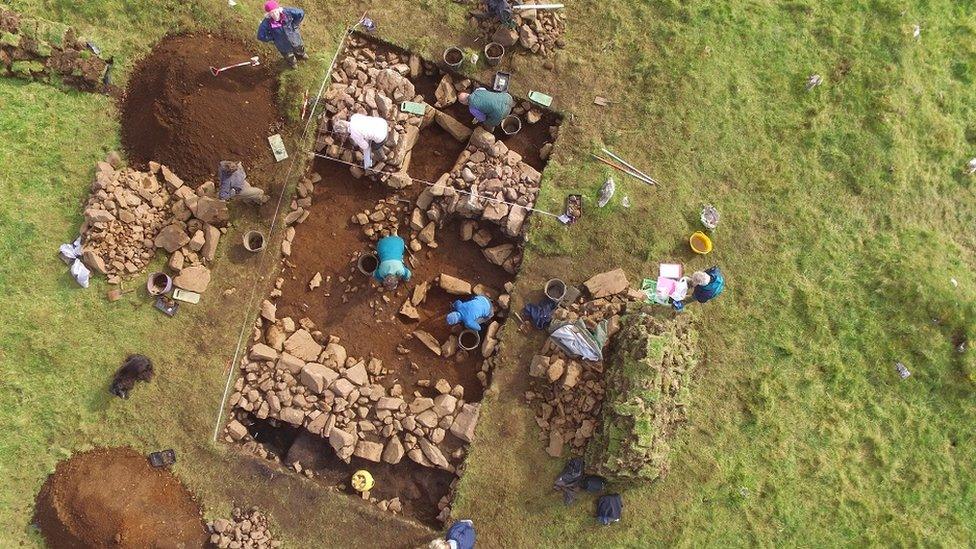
708 284
391 269
471 313
280 25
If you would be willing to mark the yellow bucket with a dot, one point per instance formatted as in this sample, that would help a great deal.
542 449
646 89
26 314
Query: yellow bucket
362 481
700 243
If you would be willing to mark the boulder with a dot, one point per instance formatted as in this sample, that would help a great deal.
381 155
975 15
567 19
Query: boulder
211 238
211 210
393 452
427 234
370 451
357 374
334 354
573 371
236 430
607 284
290 363
429 341
316 377
172 237
499 254
505 36
452 126
539 366
303 346
340 439
465 422
482 139
409 310
434 454
389 403
195 279
445 93
454 286
295 416
260 351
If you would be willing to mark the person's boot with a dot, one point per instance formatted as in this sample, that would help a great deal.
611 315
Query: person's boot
290 59
300 53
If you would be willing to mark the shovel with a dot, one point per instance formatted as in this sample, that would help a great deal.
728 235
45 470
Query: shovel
252 62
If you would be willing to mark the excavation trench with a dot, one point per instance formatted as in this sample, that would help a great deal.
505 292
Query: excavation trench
321 295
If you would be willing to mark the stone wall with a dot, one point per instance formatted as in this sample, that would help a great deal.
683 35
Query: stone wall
35 49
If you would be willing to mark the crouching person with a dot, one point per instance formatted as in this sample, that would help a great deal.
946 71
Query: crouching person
233 184
391 270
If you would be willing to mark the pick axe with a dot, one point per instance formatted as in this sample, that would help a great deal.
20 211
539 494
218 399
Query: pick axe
252 62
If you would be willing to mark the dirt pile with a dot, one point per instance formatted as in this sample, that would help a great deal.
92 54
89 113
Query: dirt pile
112 497
538 31
245 529
567 392
130 213
36 49
177 113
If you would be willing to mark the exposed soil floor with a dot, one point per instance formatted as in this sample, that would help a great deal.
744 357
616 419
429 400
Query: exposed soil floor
328 243
177 113
419 488
112 497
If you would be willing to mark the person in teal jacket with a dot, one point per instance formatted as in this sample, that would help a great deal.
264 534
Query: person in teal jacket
488 107
391 269
471 313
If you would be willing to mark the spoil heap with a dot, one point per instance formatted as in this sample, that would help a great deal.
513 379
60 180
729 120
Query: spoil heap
538 31
647 397
645 380
245 529
112 497
174 111
131 213
36 49
374 84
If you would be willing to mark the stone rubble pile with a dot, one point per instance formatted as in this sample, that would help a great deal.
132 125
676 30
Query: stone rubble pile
129 214
373 83
490 183
248 529
298 212
382 220
567 392
295 375
538 31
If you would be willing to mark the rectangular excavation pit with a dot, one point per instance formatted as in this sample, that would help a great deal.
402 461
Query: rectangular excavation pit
339 364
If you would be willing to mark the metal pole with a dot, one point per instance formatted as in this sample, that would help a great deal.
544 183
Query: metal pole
625 163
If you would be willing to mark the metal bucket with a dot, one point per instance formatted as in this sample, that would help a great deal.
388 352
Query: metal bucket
469 340
254 241
159 283
555 289
511 124
453 57
368 263
494 53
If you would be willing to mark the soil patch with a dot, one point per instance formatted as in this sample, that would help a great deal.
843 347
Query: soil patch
327 243
112 497
176 112
418 488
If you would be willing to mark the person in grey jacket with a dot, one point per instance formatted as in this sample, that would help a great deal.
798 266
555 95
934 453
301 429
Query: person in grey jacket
233 183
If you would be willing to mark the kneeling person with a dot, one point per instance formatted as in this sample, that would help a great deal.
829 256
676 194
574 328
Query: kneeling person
233 184
488 107
369 133
391 270
472 313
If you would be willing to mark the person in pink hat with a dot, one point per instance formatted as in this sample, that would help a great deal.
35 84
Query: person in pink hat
280 25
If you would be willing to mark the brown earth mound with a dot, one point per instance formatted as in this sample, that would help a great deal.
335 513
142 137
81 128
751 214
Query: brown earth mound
177 113
112 497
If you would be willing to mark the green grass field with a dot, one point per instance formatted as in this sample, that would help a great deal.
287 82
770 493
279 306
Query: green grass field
845 216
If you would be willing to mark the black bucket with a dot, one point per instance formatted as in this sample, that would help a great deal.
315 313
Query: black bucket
368 263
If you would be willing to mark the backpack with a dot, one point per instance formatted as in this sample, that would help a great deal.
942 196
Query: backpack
609 508
571 474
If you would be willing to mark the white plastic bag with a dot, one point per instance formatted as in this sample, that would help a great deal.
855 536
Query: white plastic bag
70 252
81 273
680 289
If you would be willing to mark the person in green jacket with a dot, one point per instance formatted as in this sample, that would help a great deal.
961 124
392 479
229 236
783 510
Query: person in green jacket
488 107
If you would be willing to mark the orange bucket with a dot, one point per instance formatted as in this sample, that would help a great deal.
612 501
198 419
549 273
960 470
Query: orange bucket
700 243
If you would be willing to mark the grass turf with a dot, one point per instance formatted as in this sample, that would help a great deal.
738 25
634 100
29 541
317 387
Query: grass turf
845 215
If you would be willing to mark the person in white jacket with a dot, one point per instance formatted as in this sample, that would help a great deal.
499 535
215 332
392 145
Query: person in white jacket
368 133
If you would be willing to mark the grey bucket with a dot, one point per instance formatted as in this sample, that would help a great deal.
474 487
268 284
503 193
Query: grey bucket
494 53
368 263
555 289
469 340
453 52
254 241
511 124
159 283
